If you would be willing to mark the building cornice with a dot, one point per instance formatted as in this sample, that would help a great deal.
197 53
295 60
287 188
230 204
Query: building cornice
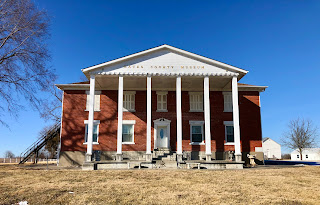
87 87
164 74
73 86
252 88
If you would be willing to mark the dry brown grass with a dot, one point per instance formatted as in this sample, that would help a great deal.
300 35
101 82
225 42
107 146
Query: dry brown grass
300 185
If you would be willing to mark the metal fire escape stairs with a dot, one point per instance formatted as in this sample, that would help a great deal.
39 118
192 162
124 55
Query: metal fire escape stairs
40 143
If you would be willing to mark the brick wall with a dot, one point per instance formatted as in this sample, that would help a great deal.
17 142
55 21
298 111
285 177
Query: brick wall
74 114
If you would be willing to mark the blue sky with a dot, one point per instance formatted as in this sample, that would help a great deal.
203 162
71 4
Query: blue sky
277 41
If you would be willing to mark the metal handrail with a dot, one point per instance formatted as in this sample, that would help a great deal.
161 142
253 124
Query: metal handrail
39 142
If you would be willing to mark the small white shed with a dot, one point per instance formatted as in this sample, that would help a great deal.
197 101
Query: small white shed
271 149
308 154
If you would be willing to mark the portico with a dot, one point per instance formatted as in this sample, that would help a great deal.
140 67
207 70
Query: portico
171 69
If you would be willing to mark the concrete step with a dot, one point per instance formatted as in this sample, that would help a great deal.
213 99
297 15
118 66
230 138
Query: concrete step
170 164
170 158
157 154
165 164
162 149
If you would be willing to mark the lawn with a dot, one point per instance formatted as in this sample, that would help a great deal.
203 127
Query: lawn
296 185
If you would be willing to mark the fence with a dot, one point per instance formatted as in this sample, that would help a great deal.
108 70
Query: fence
16 160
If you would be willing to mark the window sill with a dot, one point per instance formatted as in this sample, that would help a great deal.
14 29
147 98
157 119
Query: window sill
125 110
228 111
197 143
128 143
94 143
94 110
196 111
229 143
162 111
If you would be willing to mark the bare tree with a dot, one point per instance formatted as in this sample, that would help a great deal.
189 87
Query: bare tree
51 107
23 54
8 154
301 134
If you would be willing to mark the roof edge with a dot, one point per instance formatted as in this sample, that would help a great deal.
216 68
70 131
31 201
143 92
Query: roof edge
72 86
88 69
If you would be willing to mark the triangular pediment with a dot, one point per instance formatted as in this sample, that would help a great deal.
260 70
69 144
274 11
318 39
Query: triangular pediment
164 60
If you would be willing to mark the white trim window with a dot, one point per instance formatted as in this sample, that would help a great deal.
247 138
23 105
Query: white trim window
162 101
95 132
227 96
196 132
96 100
128 131
229 132
129 101
196 101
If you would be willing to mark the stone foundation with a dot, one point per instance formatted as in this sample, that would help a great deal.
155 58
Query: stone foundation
71 158
77 158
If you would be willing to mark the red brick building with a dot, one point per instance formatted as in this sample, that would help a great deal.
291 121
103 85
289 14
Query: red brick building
161 99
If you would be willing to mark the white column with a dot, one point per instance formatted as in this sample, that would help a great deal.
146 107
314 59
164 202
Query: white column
236 126
179 117
207 117
91 118
120 115
148 152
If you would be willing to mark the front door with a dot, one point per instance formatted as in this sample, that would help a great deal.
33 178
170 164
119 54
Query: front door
162 137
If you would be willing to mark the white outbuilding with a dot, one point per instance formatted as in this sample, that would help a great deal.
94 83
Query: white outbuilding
308 154
271 149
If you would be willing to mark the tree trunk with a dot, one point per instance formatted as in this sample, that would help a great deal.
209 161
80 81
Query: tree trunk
300 152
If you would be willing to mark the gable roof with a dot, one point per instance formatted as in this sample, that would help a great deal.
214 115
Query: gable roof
307 151
267 138
241 72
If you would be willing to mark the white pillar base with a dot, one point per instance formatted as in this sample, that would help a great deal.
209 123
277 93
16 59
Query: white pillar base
149 157
238 158
119 157
208 157
179 158
88 166
88 157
